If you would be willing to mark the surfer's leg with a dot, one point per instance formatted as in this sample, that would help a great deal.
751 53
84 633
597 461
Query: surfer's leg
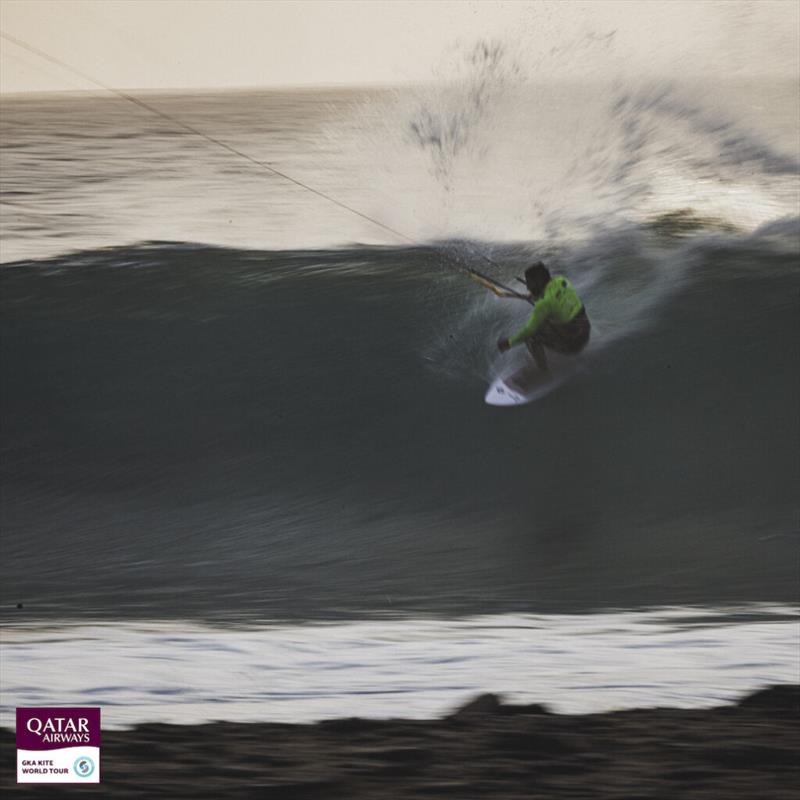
536 349
544 337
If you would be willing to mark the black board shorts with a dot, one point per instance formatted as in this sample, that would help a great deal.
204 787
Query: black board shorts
569 338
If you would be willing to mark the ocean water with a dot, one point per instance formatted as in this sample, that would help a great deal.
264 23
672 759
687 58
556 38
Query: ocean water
237 416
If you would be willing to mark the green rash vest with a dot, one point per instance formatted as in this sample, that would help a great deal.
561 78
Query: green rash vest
559 304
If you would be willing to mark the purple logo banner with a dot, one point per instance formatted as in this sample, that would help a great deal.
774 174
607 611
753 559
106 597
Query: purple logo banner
54 728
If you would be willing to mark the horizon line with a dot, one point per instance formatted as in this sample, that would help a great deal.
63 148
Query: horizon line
374 85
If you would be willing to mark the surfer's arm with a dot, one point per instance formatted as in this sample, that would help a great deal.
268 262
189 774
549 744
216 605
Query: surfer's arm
541 311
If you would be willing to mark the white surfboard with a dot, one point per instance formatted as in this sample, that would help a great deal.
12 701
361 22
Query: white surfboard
527 383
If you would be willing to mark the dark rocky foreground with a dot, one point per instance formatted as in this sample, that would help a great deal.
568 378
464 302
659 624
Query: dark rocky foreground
485 749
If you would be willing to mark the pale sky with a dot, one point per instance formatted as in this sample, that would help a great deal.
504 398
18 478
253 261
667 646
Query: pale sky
161 44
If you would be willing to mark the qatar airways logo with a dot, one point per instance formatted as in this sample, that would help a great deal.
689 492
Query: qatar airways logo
58 745
60 729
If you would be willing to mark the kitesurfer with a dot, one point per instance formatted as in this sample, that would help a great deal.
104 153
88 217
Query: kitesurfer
558 322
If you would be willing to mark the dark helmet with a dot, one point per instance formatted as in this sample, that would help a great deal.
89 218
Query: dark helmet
537 276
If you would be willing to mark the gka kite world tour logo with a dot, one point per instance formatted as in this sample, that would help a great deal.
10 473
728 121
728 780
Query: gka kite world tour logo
58 745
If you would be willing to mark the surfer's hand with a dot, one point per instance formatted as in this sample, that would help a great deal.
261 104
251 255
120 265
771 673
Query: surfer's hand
503 345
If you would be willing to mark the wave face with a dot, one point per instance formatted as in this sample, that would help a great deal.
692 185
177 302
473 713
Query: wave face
191 429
